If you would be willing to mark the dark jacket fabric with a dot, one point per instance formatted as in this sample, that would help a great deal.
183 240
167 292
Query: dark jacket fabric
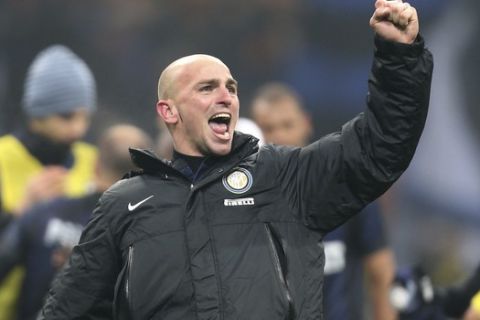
242 241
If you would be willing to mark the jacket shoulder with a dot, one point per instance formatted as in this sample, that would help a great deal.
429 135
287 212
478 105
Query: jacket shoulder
127 186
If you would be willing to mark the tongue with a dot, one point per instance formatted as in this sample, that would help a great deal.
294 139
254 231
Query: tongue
219 128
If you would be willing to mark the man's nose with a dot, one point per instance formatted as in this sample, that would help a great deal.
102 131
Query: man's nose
226 97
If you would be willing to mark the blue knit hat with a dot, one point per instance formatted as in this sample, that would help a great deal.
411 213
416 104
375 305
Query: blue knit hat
58 81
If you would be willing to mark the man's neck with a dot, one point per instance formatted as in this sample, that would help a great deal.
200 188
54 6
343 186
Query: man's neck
194 162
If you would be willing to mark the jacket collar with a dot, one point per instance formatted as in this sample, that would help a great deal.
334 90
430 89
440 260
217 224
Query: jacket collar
242 146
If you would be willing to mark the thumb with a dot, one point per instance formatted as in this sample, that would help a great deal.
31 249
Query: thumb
379 3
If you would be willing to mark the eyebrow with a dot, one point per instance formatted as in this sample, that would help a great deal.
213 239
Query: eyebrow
230 81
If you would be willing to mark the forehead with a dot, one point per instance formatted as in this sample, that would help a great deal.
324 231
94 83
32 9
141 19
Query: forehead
283 108
204 69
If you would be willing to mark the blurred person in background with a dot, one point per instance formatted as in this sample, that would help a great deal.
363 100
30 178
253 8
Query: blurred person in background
462 300
358 245
163 141
45 159
227 229
249 126
413 295
416 298
42 239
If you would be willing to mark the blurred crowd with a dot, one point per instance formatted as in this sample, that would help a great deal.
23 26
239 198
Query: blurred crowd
320 49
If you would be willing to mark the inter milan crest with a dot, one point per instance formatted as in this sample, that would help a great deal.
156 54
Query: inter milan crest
239 181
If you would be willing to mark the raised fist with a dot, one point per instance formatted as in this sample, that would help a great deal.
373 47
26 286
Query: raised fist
395 20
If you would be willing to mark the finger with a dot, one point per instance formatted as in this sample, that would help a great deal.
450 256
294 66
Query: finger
397 7
46 181
55 169
394 4
379 3
54 190
405 16
48 178
395 11
57 192
381 14
55 186
55 176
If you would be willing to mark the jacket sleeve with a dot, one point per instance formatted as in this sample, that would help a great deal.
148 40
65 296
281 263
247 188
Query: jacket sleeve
84 288
12 247
5 219
333 178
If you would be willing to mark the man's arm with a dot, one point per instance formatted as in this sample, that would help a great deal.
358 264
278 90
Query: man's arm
379 270
84 288
368 239
332 179
12 247
46 185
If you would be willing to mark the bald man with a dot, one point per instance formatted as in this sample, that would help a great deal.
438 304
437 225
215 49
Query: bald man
228 230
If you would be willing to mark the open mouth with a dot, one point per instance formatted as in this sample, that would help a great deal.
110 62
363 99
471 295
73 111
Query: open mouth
220 123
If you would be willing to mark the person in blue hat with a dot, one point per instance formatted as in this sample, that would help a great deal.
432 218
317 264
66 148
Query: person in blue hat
45 158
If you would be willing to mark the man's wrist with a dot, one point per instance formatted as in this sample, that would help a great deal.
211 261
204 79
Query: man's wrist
385 47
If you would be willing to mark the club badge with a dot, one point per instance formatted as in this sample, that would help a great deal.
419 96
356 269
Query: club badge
239 181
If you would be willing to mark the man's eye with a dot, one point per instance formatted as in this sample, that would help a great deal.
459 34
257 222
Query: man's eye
232 90
206 88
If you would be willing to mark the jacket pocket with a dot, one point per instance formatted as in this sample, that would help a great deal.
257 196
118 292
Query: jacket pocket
279 261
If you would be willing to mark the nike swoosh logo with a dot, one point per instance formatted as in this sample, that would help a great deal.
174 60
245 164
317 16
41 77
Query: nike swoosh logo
132 207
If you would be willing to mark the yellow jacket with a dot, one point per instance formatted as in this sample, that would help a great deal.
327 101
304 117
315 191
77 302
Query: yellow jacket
17 167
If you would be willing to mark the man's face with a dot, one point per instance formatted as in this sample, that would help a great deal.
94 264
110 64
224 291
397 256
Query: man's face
204 94
63 128
283 123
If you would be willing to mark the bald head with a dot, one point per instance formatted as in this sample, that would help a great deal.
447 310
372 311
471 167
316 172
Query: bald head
171 74
274 93
114 156
199 104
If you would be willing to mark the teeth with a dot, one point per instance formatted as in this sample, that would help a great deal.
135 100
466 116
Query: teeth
220 115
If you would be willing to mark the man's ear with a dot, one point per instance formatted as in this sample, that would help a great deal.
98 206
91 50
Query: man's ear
167 111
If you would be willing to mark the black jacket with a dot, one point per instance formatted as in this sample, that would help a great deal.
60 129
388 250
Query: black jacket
242 243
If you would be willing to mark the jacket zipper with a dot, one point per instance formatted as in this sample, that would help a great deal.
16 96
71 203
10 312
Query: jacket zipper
129 275
281 276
